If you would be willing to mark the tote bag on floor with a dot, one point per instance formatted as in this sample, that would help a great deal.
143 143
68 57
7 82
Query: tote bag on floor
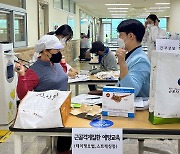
164 106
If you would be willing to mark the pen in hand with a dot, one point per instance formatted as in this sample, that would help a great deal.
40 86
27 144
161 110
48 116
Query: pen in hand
19 63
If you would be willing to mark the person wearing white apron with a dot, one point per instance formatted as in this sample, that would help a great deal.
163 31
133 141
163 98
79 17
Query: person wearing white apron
152 32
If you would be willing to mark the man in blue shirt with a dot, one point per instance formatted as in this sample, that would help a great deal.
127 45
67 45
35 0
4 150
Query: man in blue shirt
133 62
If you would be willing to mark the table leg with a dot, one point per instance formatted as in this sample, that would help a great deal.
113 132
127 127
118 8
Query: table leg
143 148
179 146
68 87
18 144
48 148
76 89
140 146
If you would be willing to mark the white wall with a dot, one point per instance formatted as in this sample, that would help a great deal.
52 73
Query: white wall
77 23
84 27
16 3
32 22
56 16
174 21
60 17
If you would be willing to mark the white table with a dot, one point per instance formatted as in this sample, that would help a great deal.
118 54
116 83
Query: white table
92 81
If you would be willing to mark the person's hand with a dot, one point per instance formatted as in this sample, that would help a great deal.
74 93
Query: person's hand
19 68
145 24
156 23
121 54
72 73
88 55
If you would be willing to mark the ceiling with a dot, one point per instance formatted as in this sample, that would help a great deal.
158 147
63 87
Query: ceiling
137 9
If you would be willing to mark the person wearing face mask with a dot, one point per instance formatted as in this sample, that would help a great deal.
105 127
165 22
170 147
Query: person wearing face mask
45 74
152 33
64 33
133 62
108 61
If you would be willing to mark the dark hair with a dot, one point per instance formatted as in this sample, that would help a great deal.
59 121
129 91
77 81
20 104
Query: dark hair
132 26
153 17
51 33
65 30
97 46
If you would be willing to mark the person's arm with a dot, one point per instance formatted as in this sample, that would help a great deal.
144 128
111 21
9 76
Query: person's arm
135 75
88 54
64 65
68 67
153 34
26 82
71 71
95 71
121 54
157 33
146 35
110 62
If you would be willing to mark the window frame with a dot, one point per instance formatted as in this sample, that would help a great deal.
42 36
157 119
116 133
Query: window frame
60 4
68 10
20 43
110 21
16 11
69 6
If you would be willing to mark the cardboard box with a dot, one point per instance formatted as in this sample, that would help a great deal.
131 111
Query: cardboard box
118 101
66 108
46 109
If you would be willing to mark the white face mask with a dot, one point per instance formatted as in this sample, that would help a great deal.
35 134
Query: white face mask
63 41
121 43
149 25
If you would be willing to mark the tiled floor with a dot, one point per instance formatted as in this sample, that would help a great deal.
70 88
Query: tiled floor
35 145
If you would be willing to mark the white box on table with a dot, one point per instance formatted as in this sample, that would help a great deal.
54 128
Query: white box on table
118 101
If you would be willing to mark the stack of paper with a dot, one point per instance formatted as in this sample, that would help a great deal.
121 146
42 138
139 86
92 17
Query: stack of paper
86 99
78 78
113 75
141 103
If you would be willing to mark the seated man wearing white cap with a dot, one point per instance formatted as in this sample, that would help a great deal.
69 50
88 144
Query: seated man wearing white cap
45 74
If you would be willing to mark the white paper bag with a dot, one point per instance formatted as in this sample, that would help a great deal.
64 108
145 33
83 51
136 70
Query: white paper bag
165 87
42 109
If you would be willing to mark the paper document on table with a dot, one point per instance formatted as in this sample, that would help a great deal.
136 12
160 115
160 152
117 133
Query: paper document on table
87 99
78 78
141 102
84 72
108 75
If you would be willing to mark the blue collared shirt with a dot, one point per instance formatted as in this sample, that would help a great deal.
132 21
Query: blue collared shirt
138 76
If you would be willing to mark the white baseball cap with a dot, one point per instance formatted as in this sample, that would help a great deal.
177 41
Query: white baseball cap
48 42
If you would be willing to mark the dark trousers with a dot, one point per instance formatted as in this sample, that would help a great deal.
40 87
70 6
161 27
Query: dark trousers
92 87
83 53
64 143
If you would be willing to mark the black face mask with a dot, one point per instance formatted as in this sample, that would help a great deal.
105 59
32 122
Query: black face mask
56 58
